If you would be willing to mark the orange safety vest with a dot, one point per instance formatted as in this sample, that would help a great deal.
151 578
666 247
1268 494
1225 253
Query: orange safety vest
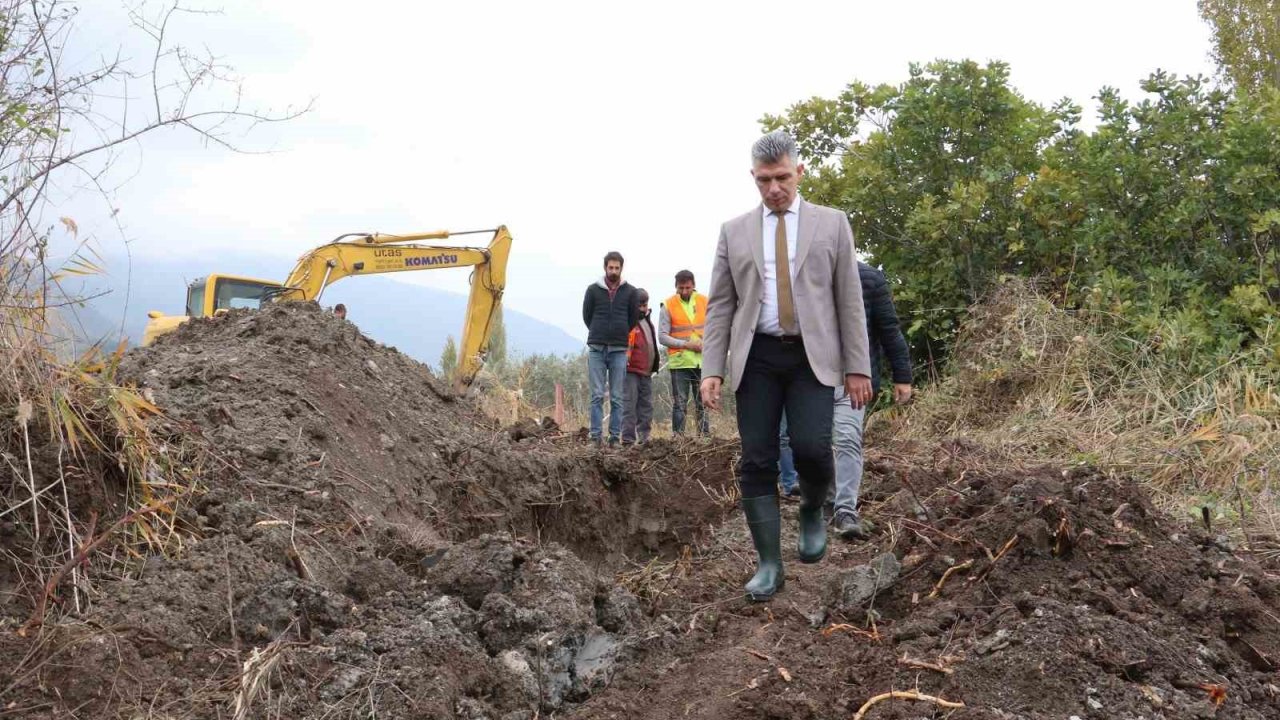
684 327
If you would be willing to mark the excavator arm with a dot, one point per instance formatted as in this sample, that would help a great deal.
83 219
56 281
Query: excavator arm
381 253
488 281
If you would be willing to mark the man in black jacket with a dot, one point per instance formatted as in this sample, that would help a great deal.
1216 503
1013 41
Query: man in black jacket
884 334
610 308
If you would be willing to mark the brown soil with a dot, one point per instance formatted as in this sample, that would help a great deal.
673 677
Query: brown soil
363 540
367 546
1099 607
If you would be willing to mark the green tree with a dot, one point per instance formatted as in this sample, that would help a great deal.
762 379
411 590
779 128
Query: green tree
1246 41
1165 217
931 173
449 358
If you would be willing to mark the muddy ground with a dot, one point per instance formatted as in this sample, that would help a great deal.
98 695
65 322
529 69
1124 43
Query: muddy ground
1069 596
365 545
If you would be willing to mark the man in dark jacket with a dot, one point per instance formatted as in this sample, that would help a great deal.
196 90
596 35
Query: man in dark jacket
642 365
610 308
884 334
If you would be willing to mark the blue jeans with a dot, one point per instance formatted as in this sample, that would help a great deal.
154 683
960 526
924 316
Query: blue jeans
607 366
686 382
846 442
786 463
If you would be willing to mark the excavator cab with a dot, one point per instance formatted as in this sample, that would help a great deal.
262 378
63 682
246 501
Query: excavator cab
228 293
209 296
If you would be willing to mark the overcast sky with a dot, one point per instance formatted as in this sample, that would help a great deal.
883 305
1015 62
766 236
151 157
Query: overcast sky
584 127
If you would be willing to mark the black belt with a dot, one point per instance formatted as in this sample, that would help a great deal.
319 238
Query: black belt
782 339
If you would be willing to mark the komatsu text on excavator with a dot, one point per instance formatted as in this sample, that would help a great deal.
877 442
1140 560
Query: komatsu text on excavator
364 254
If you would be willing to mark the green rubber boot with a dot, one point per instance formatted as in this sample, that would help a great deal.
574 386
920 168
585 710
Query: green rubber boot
812 540
765 523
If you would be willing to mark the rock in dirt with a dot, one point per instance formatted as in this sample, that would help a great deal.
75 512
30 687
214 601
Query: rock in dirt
850 590
498 623
998 641
538 607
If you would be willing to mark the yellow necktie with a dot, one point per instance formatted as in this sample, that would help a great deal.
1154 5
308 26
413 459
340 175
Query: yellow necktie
786 305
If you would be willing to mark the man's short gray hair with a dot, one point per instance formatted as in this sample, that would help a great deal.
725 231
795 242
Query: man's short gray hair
773 147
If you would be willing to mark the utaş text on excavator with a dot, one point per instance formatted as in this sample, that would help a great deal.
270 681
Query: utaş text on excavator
364 254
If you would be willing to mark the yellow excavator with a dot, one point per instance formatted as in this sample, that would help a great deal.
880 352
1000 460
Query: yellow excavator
364 254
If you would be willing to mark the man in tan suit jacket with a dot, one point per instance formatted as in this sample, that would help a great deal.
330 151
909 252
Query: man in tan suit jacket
785 324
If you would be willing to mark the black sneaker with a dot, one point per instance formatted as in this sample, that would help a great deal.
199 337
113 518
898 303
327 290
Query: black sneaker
849 526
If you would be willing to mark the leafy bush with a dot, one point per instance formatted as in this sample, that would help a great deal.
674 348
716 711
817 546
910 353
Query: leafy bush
1164 215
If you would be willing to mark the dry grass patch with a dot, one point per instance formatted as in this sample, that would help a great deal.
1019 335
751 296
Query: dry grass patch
1032 381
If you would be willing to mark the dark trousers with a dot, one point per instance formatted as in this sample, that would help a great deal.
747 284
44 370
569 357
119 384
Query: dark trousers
637 408
686 382
777 376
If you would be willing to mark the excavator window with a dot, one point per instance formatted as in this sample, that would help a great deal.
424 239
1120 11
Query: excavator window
195 298
239 294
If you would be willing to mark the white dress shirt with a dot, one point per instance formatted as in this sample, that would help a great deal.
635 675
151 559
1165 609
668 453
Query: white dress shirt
768 322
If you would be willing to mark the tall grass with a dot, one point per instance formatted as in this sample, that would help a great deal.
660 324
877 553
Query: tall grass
76 444
81 450
1033 381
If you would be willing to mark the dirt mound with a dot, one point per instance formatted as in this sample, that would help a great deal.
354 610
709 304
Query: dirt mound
363 539
1023 593
306 410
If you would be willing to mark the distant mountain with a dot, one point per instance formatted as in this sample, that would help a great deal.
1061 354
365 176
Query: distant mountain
413 318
